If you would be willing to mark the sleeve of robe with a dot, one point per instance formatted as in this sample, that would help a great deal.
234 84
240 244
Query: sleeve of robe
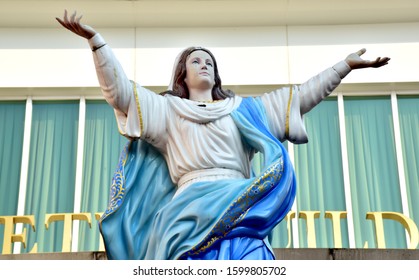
285 107
140 113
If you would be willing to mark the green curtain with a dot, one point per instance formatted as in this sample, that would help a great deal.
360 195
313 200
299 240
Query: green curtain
12 116
102 146
409 129
318 166
373 168
52 168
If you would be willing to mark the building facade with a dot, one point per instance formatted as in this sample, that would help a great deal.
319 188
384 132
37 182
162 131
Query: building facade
358 182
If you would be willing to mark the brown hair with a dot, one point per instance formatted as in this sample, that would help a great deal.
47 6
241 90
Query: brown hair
180 88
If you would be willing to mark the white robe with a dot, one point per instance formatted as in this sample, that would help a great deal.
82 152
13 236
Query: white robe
194 136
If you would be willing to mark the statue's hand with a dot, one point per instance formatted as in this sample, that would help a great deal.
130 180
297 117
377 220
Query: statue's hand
73 24
355 61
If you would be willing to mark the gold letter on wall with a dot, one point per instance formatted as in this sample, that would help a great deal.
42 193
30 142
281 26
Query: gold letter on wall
68 225
337 232
407 223
288 218
309 216
9 237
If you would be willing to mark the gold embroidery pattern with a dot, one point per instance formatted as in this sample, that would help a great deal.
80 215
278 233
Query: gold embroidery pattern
140 115
287 117
239 208
117 190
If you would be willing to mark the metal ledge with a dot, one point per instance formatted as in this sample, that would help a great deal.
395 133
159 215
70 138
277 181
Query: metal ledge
281 254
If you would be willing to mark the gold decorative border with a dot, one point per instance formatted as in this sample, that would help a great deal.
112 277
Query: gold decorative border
237 211
287 116
117 189
140 115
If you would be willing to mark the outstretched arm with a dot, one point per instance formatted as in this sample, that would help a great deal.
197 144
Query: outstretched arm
320 86
285 106
116 87
147 121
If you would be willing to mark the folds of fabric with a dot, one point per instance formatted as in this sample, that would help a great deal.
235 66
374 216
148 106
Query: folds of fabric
140 187
228 219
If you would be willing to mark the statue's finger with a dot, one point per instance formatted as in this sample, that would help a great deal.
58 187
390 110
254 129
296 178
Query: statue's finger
361 51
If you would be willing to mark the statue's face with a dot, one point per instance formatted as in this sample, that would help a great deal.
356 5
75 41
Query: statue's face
199 71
